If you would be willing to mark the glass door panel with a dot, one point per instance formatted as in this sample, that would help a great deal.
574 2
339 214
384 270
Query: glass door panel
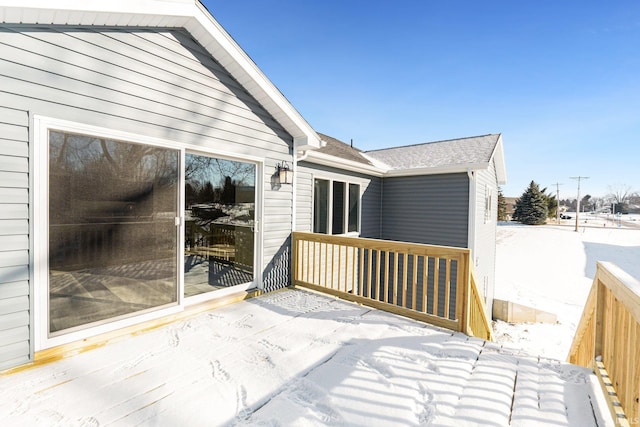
113 239
219 238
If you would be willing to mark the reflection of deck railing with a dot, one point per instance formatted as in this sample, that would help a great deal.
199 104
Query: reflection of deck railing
608 339
429 283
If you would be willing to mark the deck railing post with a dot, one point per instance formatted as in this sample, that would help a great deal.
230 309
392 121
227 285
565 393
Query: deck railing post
463 285
599 317
294 257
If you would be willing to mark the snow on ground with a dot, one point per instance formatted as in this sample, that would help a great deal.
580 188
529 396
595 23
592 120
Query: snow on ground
551 268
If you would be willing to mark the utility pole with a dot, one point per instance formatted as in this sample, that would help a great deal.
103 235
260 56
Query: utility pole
558 184
579 178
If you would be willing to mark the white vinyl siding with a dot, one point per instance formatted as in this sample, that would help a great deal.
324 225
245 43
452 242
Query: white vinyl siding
484 247
14 238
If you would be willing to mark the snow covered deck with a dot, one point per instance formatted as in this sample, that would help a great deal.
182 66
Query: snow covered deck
299 358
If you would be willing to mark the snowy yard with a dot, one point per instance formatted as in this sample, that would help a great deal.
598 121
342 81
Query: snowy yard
551 268
302 359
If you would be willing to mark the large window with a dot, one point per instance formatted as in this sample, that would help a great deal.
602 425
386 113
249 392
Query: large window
336 207
113 237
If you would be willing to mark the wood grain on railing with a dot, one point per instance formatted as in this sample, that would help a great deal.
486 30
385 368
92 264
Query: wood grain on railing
424 282
608 339
479 325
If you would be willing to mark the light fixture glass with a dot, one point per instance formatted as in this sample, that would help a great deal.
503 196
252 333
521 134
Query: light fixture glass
285 174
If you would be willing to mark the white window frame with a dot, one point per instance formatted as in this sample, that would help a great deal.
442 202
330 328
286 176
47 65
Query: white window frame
39 229
488 204
345 212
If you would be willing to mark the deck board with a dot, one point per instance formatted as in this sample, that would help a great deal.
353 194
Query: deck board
297 357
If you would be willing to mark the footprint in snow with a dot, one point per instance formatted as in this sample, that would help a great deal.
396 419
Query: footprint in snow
218 373
271 346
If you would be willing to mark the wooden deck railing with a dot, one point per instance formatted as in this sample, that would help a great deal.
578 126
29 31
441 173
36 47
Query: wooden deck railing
429 283
608 339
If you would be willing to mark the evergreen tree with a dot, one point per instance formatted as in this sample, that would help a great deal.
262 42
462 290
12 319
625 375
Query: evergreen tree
502 206
532 207
552 204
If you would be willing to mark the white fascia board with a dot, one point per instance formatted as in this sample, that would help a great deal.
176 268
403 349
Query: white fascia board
74 12
340 163
465 168
188 14
498 158
229 54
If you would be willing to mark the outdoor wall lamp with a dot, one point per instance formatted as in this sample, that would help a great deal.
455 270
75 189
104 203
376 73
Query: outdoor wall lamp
285 175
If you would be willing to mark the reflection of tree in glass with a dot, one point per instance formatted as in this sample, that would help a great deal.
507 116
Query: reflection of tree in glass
202 169
219 190
90 155
94 178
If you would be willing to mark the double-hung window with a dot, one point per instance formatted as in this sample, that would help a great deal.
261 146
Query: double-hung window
336 207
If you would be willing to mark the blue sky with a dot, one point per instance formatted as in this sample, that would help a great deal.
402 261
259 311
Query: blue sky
559 79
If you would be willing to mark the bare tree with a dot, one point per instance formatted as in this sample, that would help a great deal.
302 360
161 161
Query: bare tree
619 195
619 192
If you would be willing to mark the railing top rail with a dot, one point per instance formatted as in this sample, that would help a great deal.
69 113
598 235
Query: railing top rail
385 245
625 287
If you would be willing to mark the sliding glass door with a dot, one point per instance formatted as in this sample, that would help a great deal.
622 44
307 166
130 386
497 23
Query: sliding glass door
113 234
114 242
220 209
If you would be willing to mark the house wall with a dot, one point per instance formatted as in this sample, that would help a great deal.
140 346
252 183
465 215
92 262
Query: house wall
14 237
484 245
431 209
156 83
370 190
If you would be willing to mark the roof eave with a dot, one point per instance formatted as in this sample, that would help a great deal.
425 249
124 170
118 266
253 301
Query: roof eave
344 164
188 14
461 168
500 163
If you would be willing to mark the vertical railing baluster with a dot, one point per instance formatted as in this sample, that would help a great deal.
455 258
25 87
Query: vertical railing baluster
405 265
425 283
369 263
436 285
414 297
447 288
386 283
361 276
395 278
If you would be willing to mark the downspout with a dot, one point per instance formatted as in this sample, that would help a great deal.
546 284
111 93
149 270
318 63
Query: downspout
294 190
294 193
303 157
471 237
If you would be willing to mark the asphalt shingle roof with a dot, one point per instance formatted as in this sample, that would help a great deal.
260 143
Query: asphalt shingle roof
463 151
337 148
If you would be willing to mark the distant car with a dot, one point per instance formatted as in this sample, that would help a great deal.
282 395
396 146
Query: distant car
563 216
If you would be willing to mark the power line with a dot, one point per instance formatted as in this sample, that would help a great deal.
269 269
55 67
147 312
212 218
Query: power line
579 178
558 184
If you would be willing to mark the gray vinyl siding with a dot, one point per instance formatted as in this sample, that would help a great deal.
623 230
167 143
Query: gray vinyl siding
14 238
154 82
304 198
370 191
431 209
372 210
484 247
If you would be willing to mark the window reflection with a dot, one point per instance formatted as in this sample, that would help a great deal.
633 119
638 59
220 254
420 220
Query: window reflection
219 219
112 233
